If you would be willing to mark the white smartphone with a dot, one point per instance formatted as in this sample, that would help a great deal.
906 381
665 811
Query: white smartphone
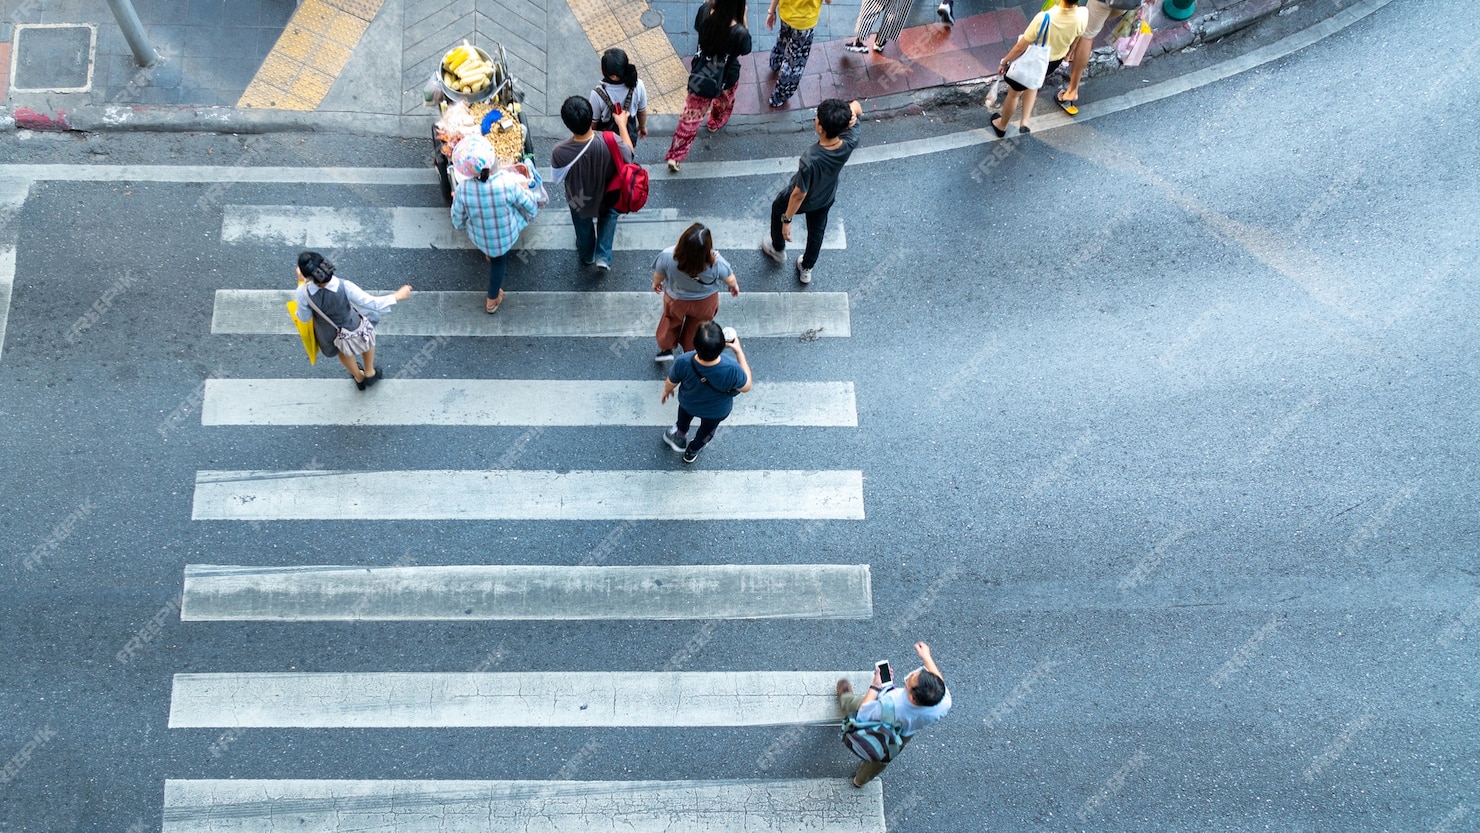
886 674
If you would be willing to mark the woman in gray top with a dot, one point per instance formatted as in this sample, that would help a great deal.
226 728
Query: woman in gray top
688 276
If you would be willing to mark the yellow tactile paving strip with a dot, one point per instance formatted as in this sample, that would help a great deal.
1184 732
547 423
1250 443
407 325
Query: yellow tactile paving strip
618 23
310 54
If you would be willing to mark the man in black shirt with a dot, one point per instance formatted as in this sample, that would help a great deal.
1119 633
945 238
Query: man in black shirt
812 190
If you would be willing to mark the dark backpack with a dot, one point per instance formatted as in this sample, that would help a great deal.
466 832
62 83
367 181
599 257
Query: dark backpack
874 740
630 182
611 124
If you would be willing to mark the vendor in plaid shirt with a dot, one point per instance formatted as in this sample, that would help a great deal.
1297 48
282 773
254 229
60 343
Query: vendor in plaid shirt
494 207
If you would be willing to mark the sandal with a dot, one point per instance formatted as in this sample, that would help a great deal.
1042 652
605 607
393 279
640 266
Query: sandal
1070 105
492 306
1001 133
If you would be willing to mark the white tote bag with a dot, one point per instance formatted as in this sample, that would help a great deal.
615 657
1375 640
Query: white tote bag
1031 67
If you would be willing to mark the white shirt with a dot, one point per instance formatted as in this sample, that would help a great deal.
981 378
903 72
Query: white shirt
618 93
357 296
909 717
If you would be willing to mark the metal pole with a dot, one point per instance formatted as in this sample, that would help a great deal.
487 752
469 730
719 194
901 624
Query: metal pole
133 30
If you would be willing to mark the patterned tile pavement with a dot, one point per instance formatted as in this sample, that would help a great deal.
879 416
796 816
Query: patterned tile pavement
309 55
431 27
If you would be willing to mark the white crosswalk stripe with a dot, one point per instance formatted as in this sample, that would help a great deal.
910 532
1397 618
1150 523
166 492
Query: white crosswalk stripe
7 284
527 699
218 593
272 806
506 402
528 495
326 227
549 314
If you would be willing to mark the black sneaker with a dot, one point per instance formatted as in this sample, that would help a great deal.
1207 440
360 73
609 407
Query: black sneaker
691 454
857 46
677 442
663 356
944 11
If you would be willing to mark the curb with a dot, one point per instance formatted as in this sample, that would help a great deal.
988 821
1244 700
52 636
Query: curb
1226 18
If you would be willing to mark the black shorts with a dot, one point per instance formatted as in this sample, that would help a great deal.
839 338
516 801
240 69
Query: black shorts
1052 65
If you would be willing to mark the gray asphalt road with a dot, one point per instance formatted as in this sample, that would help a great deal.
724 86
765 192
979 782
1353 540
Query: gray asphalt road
1166 422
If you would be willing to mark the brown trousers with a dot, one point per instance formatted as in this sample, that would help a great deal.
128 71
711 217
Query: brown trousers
868 770
681 319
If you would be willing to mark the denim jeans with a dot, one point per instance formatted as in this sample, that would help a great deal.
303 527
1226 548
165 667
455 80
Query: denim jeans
707 427
594 237
496 275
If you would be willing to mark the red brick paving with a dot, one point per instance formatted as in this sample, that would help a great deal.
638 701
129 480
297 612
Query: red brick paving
981 29
4 71
1013 24
924 56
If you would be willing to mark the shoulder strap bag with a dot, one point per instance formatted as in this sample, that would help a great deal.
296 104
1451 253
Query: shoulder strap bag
1031 67
354 342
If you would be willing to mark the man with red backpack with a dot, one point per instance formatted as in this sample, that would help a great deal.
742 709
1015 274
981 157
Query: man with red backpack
589 169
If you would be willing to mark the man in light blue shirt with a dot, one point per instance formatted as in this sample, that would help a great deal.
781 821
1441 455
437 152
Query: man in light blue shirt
921 701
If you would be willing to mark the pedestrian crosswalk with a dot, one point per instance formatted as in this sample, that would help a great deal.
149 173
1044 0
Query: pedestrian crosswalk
383 487
549 314
503 592
326 227
244 805
542 402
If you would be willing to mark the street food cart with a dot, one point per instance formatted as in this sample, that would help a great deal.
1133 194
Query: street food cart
476 95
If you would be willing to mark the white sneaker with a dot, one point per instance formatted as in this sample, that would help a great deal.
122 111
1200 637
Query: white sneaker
944 12
672 166
774 254
803 274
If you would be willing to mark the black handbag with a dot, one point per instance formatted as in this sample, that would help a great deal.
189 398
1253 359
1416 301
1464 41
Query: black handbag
707 76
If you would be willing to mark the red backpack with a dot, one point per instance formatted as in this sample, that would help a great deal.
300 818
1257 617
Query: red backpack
630 181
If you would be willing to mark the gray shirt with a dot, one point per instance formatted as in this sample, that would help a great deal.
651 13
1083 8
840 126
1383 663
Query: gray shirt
682 287
586 180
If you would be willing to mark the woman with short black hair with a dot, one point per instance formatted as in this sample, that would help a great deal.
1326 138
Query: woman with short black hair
335 305
688 276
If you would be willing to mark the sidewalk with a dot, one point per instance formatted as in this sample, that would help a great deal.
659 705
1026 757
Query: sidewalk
360 65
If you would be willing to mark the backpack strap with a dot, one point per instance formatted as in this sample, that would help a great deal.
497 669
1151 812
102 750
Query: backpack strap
611 145
886 711
606 99
695 365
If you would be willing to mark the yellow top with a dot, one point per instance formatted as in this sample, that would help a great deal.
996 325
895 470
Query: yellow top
1064 25
799 14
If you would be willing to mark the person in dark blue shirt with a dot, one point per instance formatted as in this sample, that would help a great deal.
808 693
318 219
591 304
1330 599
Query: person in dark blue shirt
707 382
